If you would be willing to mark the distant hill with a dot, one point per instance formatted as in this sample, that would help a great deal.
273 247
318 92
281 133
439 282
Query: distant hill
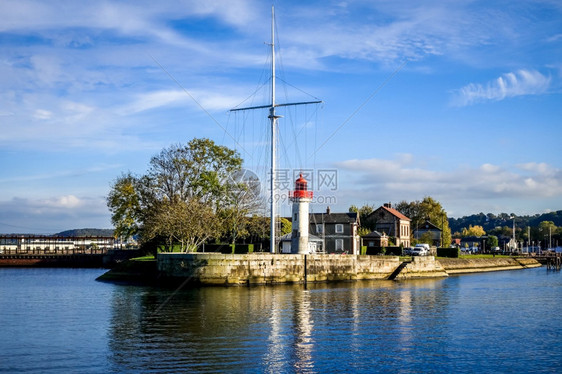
86 232
490 221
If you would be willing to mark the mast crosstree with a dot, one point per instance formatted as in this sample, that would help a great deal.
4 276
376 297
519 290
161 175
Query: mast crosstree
273 120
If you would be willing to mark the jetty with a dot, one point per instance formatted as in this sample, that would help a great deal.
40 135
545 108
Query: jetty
552 260
214 269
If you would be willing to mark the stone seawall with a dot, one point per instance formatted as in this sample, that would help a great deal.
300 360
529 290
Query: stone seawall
220 269
477 265
260 268
422 267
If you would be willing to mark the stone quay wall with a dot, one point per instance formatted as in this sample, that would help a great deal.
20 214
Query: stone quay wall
232 269
422 267
221 269
478 265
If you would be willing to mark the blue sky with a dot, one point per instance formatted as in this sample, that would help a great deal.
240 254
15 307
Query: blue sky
458 100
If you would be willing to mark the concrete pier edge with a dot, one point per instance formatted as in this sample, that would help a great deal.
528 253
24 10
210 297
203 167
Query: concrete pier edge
263 268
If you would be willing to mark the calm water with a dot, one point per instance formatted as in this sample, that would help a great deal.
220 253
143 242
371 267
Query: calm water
62 320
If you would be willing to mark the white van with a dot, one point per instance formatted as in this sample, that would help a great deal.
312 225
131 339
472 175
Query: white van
421 250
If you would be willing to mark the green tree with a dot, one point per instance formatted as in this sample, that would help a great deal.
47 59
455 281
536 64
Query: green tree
364 212
124 205
182 197
475 230
546 230
426 238
492 241
244 201
362 231
258 228
286 226
427 209
188 223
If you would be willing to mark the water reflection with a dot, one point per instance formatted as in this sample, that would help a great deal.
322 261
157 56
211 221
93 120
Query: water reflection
362 326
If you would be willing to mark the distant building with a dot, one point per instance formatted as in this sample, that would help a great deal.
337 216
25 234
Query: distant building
391 222
45 244
314 244
338 231
476 243
428 230
329 233
375 239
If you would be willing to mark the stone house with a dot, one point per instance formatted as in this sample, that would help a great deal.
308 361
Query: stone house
330 233
338 231
391 222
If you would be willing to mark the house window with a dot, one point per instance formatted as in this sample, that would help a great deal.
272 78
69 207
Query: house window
296 217
319 229
339 244
339 228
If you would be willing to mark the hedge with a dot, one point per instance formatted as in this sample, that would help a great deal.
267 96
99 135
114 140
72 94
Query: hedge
448 252
392 251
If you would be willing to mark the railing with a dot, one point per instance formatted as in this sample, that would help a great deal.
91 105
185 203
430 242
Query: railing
52 251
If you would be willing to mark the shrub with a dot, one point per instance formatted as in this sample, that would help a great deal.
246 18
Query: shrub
448 252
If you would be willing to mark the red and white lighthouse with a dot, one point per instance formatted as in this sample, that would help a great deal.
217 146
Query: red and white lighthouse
300 197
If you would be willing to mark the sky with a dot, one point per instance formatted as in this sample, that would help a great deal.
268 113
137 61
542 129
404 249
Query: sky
457 100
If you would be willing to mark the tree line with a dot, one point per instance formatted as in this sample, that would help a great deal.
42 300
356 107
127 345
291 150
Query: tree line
191 194
198 193
418 211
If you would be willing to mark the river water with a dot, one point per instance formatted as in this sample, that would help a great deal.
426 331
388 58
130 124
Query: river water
62 320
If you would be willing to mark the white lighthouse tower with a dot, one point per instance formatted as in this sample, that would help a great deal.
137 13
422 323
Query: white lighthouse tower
300 197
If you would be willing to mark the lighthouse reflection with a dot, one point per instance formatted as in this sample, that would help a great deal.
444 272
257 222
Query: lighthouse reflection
268 329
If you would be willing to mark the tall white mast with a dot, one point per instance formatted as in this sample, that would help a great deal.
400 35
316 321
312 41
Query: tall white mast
273 118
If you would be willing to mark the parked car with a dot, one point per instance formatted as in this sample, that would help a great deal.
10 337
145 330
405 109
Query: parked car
420 250
407 251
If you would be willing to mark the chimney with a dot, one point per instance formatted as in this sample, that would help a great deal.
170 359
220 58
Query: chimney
388 205
328 210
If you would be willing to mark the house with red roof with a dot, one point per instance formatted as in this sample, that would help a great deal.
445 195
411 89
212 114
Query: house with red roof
391 222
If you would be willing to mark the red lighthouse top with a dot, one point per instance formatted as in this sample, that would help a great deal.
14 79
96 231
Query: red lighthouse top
301 189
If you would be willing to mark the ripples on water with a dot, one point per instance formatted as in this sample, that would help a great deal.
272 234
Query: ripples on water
61 320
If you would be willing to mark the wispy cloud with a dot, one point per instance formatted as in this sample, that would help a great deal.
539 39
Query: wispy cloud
519 83
399 179
210 100
52 214
54 175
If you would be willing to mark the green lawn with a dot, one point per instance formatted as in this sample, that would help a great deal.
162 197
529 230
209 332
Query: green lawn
143 258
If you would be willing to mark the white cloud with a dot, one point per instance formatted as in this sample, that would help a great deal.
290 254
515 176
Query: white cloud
65 202
373 180
522 82
52 214
30 178
42 114
155 99
208 100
